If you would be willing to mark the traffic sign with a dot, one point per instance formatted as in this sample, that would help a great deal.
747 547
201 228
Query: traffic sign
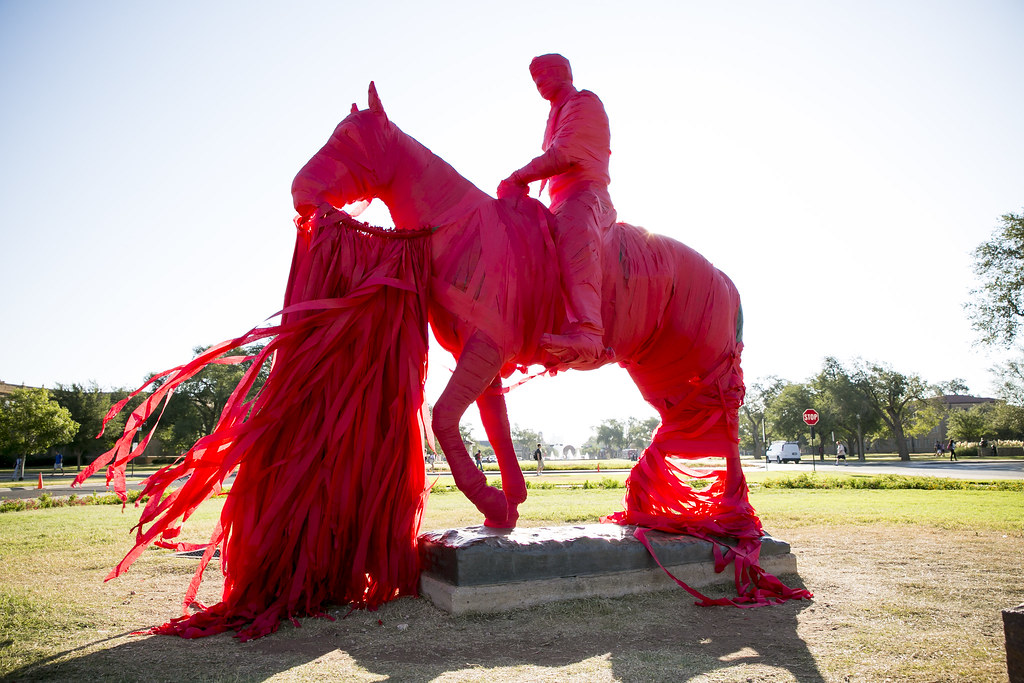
811 416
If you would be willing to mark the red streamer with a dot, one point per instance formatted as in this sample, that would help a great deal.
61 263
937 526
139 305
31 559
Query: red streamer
330 486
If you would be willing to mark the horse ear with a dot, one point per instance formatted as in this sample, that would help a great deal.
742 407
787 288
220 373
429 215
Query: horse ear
355 108
375 106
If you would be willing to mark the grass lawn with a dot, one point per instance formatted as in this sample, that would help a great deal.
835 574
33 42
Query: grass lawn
908 586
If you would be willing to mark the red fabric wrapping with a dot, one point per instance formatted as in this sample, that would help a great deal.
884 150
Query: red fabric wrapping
671 318
699 420
330 486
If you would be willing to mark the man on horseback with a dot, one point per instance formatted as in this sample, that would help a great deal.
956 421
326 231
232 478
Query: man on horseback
574 166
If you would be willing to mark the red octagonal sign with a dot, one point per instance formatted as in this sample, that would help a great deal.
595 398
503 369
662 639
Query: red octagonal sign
811 416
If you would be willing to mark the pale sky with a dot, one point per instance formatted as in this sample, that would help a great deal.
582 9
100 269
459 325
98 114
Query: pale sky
839 161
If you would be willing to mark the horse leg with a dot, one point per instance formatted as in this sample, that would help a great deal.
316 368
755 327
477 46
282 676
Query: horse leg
494 415
478 365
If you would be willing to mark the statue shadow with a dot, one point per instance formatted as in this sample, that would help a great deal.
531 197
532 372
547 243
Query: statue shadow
653 636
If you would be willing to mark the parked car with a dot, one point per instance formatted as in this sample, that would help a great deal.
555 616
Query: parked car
783 451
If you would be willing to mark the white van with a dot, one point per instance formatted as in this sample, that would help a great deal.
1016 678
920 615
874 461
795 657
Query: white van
783 451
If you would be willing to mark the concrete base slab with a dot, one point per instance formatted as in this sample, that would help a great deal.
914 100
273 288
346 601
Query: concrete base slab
477 569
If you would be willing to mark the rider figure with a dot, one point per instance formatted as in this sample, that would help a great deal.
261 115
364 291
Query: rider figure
574 166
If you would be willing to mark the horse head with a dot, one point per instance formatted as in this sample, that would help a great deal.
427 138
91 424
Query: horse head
354 165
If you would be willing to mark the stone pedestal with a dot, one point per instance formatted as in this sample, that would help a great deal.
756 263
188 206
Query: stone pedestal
1013 628
477 569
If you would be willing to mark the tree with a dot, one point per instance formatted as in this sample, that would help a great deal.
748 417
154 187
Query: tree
929 414
1007 421
842 408
996 309
971 424
1010 387
758 400
894 395
590 446
88 406
31 422
611 434
639 432
195 407
955 386
525 441
786 412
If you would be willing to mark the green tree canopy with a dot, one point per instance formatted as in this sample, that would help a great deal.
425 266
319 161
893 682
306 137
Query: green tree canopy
756 403
786 413
194 409
894 395
971 424
31 422
1010 387
1007 421
955 386
843 408
611 434
525 441
996 308
929 414
88 405
639 432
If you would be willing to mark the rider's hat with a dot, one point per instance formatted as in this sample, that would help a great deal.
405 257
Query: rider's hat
550 61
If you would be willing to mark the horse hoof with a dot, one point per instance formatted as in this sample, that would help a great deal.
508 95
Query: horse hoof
507 523
491 502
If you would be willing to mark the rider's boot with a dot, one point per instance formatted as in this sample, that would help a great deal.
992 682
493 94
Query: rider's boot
582 346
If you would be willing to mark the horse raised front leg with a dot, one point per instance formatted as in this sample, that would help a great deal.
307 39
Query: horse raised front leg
478 365
494 415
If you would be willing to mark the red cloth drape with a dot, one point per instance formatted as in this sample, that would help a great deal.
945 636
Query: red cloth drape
330 486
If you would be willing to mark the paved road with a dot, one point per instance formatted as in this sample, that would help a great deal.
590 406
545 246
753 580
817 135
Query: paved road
60 485
961 469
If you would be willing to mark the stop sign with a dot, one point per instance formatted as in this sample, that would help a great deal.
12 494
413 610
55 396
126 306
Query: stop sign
811 416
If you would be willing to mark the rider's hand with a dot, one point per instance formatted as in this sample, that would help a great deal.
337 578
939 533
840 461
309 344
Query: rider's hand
308 219
512 187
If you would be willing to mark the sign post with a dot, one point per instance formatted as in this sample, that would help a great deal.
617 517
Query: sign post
811 419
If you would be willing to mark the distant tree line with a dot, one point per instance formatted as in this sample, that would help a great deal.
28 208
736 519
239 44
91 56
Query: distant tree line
69 418
868 401
856 401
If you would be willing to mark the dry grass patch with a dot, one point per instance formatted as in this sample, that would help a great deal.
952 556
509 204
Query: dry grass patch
899 601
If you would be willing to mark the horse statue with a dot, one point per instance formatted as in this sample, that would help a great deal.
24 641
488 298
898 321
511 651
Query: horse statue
673 320
329 483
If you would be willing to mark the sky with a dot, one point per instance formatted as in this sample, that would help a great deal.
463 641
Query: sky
839 161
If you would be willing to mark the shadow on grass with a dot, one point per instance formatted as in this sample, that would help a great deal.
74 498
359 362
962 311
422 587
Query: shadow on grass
654 636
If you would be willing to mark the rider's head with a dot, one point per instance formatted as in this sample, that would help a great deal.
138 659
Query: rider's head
552 74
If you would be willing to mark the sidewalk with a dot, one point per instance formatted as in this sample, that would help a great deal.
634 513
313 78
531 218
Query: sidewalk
965 468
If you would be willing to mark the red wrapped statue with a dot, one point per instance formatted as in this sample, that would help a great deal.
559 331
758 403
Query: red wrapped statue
326 505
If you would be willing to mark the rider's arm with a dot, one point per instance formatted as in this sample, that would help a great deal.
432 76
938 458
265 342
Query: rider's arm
550 163
582 135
